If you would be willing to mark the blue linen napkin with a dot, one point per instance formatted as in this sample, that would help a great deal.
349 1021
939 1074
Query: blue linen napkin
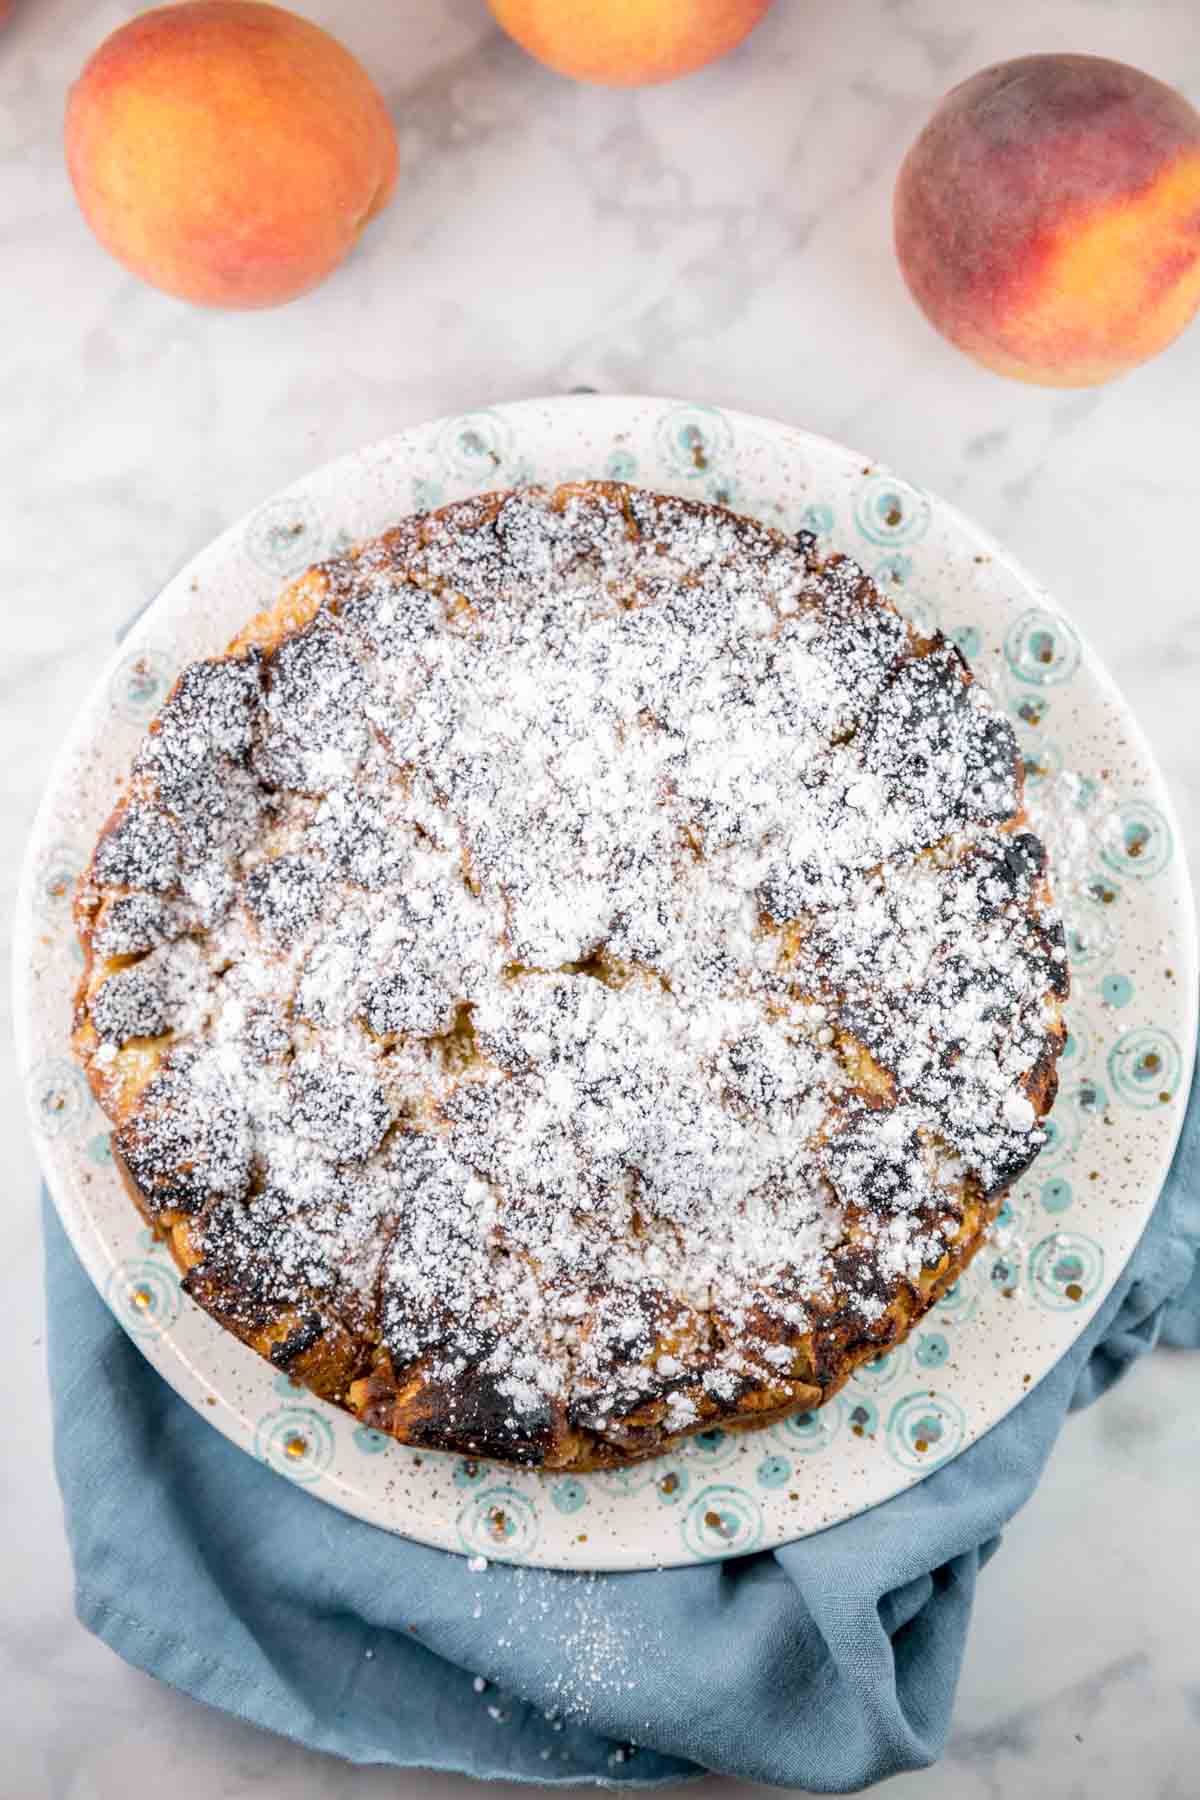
827 1665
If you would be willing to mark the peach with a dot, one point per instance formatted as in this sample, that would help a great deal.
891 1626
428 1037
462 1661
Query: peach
1048 218
628 43
227 151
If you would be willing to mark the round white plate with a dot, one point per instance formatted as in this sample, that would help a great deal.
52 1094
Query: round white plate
1066 1230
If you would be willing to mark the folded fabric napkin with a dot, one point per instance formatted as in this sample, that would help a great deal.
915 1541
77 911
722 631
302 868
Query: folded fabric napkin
827 1664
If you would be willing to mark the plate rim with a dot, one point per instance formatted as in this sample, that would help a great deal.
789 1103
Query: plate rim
174 1364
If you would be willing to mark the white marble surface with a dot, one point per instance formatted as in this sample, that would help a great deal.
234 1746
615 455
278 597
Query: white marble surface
726 239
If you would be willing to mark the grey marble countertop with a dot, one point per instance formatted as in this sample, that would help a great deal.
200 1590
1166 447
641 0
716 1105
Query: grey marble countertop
726 239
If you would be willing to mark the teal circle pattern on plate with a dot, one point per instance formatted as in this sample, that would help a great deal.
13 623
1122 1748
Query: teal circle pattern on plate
862 1416
1102 887
145 1296
1056 1196
1042 648
1144 1066
1063 1129
139 685
478 447
696 441
1065 1270
968 640
893 571
671 1485
286 535
888 511
932 1350
568 1495
54 882
59 1095
818 518
891 575
1042 760
100 1150
925 1429
1003 1270
468 1473
1089 931
721 1521
919 610
499 1522
295 1441
961 1301
883 1371
808 1433
773 1471
427 494
1030 709
368 1441
1014 1210
1088 1098
711 1449
1079 1045
1116 991
721 490
623 1481
622 465
1137 841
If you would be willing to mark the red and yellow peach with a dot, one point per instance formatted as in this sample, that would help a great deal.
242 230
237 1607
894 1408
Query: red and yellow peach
628 43
228 151
1048 218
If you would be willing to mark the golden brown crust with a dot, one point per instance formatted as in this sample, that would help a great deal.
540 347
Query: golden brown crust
340 1353
333 1366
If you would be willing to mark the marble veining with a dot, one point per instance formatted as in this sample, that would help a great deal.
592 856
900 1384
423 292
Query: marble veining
727 239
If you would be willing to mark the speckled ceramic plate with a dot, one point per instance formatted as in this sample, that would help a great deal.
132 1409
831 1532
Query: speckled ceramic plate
1065 1231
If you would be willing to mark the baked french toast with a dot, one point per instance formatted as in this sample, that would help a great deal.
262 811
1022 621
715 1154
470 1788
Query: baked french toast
573 974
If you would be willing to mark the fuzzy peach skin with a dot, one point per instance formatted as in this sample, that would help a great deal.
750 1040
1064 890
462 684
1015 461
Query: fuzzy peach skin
228 152
1048 218
628 43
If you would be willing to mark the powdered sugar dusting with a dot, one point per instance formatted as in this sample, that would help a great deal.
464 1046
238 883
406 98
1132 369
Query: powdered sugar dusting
595 953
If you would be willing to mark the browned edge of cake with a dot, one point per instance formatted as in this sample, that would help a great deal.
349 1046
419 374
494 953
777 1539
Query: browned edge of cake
358 1377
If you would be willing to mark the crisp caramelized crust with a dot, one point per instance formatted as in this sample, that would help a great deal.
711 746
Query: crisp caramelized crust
574 973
